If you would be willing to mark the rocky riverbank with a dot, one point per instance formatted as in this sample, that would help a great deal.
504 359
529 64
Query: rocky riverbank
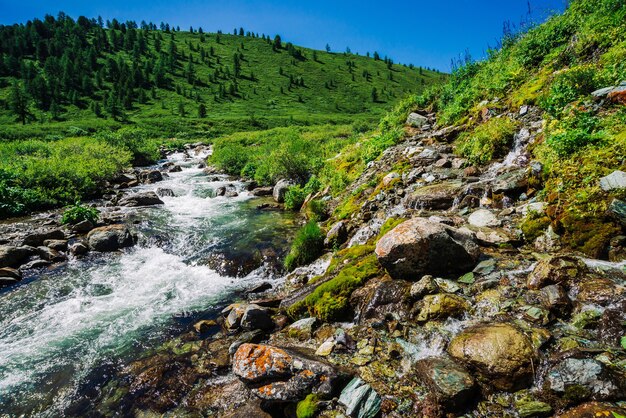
429 302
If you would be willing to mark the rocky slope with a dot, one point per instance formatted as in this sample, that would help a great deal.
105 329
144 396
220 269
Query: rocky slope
428 303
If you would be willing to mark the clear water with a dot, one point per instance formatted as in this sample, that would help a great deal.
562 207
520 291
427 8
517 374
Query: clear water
63 332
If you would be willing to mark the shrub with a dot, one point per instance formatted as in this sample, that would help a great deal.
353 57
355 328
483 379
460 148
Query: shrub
145 151
490 140
306 247
317 211
294 198
79 213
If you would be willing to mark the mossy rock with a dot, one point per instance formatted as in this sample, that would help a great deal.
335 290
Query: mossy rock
308 407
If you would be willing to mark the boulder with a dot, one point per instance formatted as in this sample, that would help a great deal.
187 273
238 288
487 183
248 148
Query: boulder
554 298
83 227
273 374
8 272
418 246
49 254
12 256
501 354
435 197
280 189
56 244
454 385
596 290
36 239
614 181
337 235
556 269
593 410
141 199
360 400
383 298
150 176
110 238
442 306
256 317
416 120
262 191
483 218
580 379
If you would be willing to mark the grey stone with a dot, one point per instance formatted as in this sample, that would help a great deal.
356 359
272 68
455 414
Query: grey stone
483 218
618 209
416 120
256 317
280 189
583 377
614 181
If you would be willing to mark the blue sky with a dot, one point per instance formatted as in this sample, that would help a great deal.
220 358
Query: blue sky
423 32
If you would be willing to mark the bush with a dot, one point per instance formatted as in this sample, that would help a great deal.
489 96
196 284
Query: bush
490 140
294 198
79 213
39 175
306 247
145 151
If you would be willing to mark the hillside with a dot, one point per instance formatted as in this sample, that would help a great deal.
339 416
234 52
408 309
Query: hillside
81 74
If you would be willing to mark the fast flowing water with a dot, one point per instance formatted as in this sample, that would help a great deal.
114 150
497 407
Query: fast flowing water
62 332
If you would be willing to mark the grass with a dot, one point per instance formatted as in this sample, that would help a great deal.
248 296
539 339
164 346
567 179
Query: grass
306 247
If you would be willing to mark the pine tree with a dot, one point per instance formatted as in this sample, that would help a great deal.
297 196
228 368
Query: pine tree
236 64
19 102
201 110
374 95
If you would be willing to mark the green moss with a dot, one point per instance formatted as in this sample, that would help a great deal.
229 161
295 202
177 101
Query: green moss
329 301
308 407
533 225
590 236
490 140
389 224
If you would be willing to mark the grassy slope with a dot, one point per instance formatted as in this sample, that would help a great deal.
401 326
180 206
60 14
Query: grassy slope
259 103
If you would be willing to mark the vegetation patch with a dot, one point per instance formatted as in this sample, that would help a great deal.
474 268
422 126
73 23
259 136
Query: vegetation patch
306 247
489 140
79 213
330 300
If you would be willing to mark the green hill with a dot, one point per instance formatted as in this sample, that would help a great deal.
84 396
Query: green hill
170 82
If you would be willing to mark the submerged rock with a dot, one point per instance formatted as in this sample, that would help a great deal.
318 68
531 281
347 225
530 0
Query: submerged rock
419 246
110 238
360 400
501 353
